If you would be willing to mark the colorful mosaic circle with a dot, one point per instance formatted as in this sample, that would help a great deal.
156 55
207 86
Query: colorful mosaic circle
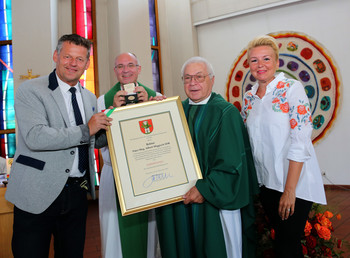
304 59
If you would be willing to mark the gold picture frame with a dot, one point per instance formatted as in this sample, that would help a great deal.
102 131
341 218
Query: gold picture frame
152 154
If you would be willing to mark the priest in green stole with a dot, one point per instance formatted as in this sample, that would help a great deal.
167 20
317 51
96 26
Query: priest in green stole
133 235
217 216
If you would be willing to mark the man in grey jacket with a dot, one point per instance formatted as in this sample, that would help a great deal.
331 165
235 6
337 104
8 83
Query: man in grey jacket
58 128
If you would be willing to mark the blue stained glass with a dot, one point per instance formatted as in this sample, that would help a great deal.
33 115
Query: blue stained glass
11 143
5 20
7 112
155 70
152 22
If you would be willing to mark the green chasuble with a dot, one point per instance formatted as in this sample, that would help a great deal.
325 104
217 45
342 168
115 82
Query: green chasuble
229 182
133 229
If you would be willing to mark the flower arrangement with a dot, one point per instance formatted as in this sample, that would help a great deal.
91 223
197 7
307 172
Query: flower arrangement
318 240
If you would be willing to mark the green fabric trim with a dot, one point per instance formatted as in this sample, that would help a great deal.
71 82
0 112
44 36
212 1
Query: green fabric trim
110 112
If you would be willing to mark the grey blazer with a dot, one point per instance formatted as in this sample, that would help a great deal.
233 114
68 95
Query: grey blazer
46 144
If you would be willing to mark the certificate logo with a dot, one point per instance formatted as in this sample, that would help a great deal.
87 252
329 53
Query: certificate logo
146 126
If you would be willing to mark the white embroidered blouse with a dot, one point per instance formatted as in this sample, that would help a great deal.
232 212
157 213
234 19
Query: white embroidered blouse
280 127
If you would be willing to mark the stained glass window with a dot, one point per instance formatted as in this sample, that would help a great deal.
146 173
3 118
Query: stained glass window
153 22
155 47
155 70
7 112
83 25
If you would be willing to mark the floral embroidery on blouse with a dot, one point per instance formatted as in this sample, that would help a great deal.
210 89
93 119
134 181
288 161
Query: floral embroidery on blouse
279 101
300 115
248 105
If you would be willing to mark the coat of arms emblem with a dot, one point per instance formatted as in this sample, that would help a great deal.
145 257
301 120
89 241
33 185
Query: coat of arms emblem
146 126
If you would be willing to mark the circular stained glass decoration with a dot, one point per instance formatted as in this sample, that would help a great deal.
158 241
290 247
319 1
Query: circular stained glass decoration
304 59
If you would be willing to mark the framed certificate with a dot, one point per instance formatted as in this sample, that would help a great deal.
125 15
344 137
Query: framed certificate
152 154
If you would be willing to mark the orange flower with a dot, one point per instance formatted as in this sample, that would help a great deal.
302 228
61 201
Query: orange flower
328 214
275 100
324 221
307 228
338 216
293 123
280 85
284 107
323 232
302 110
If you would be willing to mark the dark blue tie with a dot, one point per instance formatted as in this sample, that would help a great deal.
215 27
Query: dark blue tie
83 150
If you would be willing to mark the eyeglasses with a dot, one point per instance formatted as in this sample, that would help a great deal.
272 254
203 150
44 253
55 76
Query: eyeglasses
129 65
197 77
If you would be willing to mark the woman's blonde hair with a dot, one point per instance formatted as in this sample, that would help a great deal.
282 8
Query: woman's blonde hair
264 40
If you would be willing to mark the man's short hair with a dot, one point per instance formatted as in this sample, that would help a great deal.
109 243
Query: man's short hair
198 59
131 54
76 40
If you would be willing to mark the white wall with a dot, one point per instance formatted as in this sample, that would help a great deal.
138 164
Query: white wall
122 26
177 43
33 32
326 21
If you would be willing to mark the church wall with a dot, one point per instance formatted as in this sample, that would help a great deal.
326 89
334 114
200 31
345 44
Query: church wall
327 22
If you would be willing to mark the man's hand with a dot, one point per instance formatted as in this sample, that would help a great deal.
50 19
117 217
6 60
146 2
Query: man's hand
97 122
193 196
157 98
142 94
119 98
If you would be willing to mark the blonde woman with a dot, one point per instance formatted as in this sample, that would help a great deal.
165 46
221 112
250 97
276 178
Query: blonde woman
277 114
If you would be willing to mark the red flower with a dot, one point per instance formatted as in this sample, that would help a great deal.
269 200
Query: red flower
302 110
273 234
338 216
311 242
327 251
293 123
284 107
339 243
304 249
